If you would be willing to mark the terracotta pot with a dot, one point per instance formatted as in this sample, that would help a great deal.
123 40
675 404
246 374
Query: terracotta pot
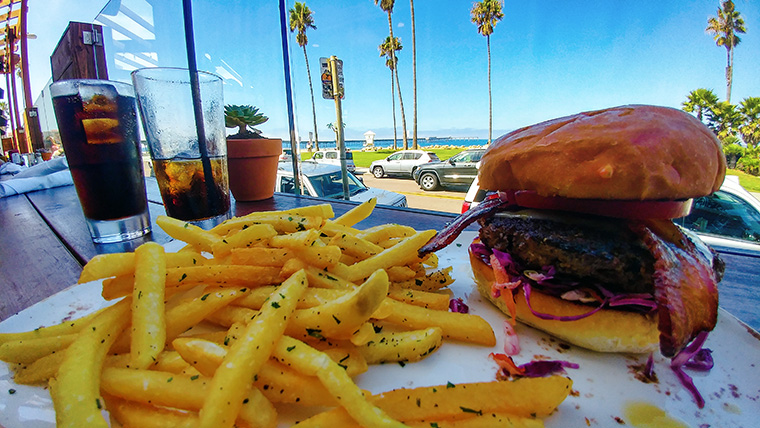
252 166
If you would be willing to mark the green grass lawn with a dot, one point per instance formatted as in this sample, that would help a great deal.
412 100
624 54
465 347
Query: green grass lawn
749 182
364 159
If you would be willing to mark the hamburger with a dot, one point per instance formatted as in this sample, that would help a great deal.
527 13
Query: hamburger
577 238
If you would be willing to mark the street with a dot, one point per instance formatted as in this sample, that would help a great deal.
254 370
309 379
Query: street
439 200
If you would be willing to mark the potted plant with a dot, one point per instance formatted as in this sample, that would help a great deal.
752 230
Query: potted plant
252 158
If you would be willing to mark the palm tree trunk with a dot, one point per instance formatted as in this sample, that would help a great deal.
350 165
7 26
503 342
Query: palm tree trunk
313 106
398 86
414 75
490 101
393 104
729 72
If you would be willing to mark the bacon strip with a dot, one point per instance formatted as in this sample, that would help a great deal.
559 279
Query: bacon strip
685 284
450 232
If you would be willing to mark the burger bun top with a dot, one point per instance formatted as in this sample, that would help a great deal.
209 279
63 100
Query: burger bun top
633 152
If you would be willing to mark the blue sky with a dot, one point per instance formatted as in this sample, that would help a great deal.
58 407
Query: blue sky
549 58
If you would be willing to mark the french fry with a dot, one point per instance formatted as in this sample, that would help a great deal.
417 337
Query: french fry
384 232
356 247
64 328
431 282
321 279
400 273
402 253
245 238
76 387
261 256
107 265
309 361
148 322
402 346
321 211
465 327
296 240
41 370
340 318
425 299
178 229
357 213
231 381
331 228
522 398
179 391
27 350
132 414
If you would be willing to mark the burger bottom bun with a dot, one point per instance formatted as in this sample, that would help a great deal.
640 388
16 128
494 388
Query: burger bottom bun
604 331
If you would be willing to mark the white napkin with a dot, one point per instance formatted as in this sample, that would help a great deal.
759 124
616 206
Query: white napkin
45 175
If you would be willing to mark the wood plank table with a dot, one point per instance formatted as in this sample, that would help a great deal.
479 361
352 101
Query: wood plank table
44 243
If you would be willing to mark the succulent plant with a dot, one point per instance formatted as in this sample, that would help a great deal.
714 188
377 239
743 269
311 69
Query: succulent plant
244 118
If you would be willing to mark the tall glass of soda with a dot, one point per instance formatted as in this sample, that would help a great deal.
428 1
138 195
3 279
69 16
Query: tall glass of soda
97 120
191 175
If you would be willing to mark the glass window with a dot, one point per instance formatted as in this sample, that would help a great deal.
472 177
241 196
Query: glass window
331 186
724 214
395 156
434 157
331 155
476 156
349 155
287 185
318 155
460 157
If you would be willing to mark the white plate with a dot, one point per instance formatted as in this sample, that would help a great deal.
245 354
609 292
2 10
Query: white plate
603 386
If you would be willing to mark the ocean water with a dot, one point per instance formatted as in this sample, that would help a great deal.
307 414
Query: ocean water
388 144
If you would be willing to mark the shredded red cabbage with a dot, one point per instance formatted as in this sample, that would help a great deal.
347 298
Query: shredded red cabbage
542 368
458 305
546 368
649 367
702 362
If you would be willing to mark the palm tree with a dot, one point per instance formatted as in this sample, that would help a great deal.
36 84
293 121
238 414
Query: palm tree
414 75
699 101
723 119
750 126
724 28
388 50
485 14
387 7
301 19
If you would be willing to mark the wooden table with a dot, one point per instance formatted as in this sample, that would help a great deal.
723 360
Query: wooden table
44 243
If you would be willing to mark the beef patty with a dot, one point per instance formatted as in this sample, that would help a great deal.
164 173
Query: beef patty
604 252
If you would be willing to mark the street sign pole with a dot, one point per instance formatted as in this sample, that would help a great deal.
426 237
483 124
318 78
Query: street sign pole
336 72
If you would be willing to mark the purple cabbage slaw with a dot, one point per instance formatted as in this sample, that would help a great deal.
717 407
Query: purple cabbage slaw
458 305
548 284
694 357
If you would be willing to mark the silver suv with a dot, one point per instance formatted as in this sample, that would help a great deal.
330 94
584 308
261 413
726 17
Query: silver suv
404 162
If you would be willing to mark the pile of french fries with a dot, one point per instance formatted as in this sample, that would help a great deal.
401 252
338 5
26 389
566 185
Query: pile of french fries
262 310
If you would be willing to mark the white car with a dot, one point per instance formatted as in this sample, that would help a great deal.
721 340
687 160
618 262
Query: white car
729 218
404 162
324 181
332 157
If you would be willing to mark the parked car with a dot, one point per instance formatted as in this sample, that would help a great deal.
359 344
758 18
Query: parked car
403 162
332 157
286 155
324 181
459 170
727 219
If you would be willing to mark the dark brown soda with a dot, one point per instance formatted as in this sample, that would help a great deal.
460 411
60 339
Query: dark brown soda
184 191
102 148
